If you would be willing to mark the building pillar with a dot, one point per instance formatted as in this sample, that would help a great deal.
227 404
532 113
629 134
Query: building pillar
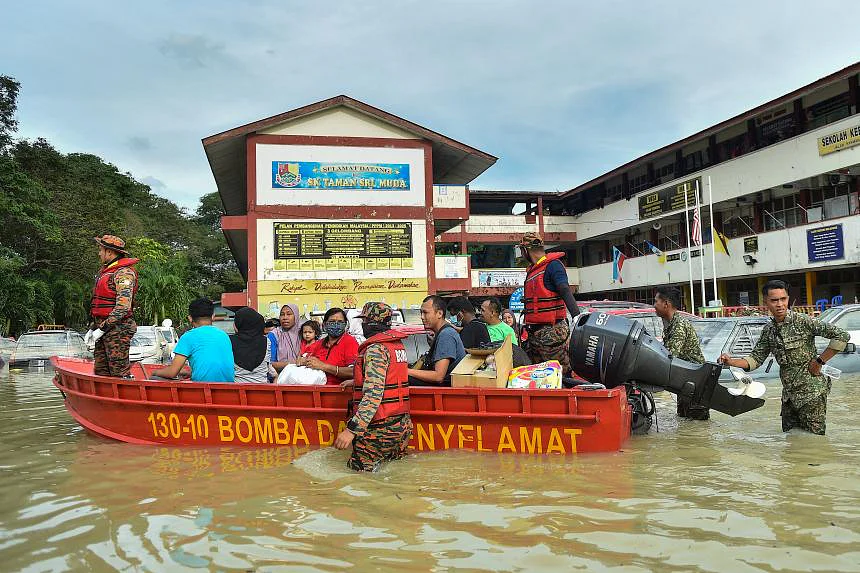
752 135
853 94
723 292
810 287
759 284
685 289
679 163
712 150
799 117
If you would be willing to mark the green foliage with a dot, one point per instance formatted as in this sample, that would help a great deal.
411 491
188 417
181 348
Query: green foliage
53 204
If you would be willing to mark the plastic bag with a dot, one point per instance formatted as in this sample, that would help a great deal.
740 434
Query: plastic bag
301 376
543 375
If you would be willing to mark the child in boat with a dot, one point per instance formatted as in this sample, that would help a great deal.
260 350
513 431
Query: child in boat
311 332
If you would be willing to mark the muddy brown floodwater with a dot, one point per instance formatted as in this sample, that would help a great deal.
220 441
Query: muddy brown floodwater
731 494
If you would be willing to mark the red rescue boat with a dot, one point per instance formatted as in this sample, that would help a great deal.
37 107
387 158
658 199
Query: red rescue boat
502 420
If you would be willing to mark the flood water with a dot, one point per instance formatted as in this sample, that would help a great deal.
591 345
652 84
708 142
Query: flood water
731 494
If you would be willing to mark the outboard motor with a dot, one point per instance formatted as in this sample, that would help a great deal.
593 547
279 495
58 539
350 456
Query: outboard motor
615 351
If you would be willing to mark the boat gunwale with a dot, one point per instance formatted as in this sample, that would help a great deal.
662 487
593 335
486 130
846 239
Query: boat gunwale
567 394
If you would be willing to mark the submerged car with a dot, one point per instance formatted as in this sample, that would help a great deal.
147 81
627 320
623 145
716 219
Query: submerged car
736 336
149 346
846 317
36 347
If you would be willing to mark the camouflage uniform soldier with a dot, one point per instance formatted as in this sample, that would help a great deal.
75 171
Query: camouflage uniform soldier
681 340
380 427
111 308
548 300
791 339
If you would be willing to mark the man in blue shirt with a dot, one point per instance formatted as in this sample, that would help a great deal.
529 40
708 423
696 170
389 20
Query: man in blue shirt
447 348
206 348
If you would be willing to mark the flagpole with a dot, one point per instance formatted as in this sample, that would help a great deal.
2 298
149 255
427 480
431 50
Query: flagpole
714 236
701 245
689 257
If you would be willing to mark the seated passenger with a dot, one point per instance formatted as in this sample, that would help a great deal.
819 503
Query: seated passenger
335 354
251 348
310 333
473 332
206 348
288 345
445 351
491 309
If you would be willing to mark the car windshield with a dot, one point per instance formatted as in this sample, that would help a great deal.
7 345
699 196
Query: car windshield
143 339
829 314
226 325
707 329
50 339
168 335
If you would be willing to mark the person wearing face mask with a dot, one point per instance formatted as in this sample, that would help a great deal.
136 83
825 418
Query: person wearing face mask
335 354
380 426
473 332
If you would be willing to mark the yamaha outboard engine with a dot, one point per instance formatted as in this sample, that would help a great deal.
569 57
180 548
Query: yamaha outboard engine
614 350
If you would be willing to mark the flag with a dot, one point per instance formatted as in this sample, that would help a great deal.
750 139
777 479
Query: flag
721 243
618 259
661 256
697 228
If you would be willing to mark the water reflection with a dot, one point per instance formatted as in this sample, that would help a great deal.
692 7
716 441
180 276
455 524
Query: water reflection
732 494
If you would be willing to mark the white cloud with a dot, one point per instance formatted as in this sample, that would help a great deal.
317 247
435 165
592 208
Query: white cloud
560 91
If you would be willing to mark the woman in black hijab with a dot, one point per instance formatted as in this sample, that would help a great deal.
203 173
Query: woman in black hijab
251 350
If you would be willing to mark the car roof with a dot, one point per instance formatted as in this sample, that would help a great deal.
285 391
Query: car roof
409 328
643 311
48 332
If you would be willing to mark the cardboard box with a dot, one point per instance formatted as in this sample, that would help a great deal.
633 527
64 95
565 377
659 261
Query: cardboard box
468 372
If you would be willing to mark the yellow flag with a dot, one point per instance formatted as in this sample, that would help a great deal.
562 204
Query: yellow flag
721 243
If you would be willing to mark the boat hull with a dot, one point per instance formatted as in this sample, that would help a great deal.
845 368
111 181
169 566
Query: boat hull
143 411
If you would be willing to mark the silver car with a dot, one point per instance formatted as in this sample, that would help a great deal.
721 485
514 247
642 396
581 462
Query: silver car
846 317
736 336
35 348
149 346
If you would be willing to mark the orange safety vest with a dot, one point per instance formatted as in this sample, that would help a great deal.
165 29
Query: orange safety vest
542 306
104 293
395 398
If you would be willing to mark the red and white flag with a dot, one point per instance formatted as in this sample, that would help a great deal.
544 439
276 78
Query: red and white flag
697 228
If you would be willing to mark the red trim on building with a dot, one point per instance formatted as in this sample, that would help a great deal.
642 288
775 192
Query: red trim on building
339 212
234 222
430 228
496 238
453 285
440 213
234 299
339 141
251 194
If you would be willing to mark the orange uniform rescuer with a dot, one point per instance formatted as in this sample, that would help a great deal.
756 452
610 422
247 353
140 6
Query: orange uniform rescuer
380 426
111 308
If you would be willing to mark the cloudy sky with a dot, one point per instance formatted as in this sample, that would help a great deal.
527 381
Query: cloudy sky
560 91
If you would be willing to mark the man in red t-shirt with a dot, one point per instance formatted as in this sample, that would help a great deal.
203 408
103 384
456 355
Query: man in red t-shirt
336 353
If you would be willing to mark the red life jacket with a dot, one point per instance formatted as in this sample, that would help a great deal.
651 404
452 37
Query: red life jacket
395 398
542 306
104 293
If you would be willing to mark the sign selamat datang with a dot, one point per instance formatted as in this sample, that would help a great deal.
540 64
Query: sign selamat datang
316 175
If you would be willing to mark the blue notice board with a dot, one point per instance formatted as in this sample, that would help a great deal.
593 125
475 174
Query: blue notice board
516 302
825 244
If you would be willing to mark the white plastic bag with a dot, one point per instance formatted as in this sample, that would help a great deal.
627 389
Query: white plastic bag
301 376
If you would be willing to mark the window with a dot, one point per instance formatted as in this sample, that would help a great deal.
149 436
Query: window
669 238
849 320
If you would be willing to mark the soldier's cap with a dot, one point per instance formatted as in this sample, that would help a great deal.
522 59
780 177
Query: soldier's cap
377 312
111 242
531 241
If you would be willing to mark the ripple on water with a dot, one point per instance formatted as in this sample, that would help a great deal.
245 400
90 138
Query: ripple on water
731 494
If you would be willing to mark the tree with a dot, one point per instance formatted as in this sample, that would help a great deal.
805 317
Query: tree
8 105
